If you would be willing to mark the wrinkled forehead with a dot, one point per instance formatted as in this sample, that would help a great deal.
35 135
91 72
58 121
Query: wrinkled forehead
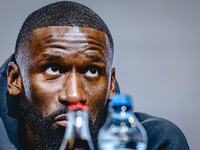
71 35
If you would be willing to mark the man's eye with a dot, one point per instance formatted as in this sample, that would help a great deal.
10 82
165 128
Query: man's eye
92 72
53 70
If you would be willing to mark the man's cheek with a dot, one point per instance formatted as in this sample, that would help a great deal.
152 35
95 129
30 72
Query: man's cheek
43 99
97 103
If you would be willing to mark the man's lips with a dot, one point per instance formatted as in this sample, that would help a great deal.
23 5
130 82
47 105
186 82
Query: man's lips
60 120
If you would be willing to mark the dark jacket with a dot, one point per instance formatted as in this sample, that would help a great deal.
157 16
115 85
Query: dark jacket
162 134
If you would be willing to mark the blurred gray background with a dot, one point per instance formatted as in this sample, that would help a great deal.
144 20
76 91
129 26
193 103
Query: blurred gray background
157 56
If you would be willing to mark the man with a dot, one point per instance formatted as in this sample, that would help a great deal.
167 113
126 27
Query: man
63 55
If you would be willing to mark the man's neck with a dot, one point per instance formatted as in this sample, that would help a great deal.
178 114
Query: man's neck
25 136
30 141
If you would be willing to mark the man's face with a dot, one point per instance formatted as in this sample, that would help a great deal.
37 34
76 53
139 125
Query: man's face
67 65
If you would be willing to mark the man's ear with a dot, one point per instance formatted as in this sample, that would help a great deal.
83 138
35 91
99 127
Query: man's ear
112 84
14 79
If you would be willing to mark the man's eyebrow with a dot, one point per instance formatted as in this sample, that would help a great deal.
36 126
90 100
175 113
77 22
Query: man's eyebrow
96 58
47 57
93 57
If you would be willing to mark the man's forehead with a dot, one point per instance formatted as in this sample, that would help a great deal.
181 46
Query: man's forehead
68 31
68 37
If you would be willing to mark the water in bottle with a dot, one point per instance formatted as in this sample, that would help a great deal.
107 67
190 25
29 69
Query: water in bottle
122 130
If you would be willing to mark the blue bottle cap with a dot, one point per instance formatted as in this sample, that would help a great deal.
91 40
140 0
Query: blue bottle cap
117 100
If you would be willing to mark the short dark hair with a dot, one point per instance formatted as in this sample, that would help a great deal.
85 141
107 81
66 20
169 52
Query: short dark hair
64 13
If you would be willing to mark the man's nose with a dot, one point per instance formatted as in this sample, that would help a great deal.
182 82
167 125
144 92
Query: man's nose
72 91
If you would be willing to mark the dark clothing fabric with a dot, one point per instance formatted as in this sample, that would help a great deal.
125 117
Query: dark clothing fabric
162 134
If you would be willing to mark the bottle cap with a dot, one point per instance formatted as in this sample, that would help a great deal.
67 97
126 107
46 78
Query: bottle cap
77 106
117 100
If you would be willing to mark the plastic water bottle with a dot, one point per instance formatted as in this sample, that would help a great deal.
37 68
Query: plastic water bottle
122 130
77 135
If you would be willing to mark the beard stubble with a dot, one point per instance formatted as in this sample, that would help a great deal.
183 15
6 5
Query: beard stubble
47 137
